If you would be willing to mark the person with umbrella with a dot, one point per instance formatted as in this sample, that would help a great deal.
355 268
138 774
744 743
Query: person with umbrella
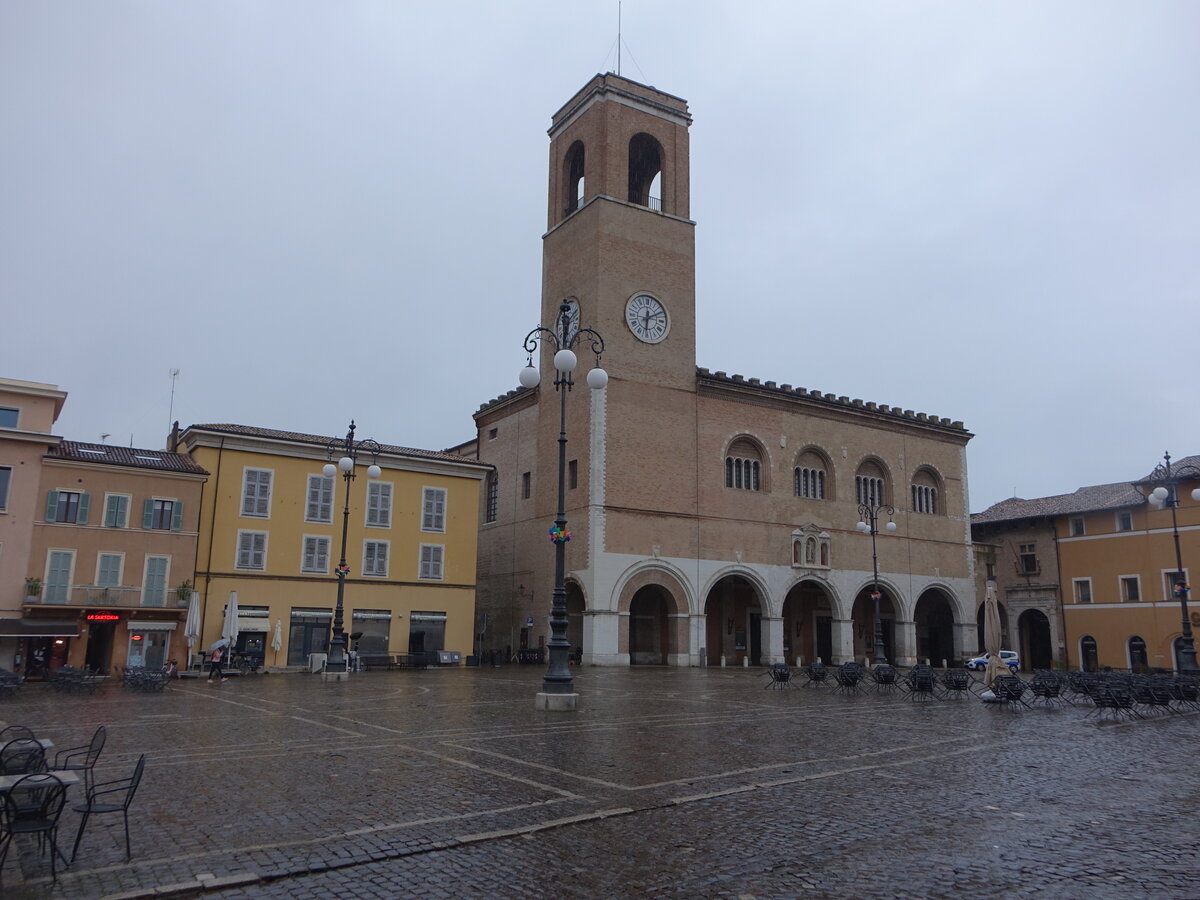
216 658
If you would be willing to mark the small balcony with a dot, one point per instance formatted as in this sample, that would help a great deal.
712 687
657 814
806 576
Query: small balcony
106 596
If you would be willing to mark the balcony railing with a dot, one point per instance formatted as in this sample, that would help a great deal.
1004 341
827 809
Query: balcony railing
118 596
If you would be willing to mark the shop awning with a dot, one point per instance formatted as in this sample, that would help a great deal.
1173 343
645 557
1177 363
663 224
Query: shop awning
65 628
253 623
150 625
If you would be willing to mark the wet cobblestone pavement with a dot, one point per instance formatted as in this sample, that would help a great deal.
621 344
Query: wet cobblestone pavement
665 783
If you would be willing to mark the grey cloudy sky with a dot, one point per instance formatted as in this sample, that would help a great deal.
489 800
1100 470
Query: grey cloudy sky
325 210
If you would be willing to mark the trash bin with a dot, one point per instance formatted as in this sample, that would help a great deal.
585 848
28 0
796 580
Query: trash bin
449 658
316 662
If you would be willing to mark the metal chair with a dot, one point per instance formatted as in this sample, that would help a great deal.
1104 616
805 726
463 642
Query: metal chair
848 676
117 797
816 673
885 677
33 806
780 675
23 756
12 732
82 758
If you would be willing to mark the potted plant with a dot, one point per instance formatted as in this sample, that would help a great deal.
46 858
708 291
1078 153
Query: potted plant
33 588
183 593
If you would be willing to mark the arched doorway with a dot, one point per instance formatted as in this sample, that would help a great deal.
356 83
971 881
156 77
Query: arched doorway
733 622
1089 654
575 609
934 618
1139 659
1004 641
649 634
808 624
1035 646
863 616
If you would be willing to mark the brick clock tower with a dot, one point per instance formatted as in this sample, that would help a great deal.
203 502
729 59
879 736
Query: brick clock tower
712 516
619 247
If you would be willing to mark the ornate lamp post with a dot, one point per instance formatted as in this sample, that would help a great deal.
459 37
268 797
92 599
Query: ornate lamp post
335 665
1166 480
869 524
557 688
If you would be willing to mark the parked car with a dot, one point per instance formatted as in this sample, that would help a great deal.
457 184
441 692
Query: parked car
1009 657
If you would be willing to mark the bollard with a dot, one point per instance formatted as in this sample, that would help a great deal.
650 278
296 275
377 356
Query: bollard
745 662
722 660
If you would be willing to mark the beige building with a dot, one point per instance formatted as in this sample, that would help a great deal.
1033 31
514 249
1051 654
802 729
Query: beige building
1104 559
712 515
97 543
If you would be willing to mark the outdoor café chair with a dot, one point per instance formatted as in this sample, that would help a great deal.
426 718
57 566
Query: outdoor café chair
82 758
22 756
1047 687
12 732
117 795
885 677
957 682
1009 691
921 683
33 806
780 675
816 673
849 676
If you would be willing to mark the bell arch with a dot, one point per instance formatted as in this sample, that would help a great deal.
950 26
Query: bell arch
645 170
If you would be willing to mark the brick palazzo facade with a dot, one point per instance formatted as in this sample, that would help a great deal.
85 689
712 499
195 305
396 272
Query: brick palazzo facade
713 516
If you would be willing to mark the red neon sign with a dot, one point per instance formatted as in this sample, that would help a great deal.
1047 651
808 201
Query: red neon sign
102 617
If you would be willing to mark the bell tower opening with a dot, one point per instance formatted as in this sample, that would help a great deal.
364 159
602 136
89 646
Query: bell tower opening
573 178
645 171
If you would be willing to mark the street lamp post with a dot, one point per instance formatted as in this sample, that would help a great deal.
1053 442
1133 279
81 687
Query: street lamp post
1166 480
335 665
869 524
557 686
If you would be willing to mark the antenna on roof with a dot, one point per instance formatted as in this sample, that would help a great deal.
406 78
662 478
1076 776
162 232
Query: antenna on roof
618 37
104 437
171 408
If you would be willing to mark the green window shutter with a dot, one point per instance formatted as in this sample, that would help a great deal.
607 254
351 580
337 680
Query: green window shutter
51 506
84 502
110 512
177 516
148 514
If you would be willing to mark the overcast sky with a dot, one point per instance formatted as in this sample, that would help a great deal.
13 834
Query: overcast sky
324 210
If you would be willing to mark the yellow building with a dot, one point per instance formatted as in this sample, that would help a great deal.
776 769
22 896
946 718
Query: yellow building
271 530
1115 556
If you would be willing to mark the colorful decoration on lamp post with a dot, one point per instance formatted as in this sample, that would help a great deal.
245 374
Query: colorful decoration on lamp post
559 535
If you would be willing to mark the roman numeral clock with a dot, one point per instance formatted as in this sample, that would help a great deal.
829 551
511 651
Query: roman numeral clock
647 318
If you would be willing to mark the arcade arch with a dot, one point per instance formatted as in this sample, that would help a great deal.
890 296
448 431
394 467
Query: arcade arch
808 613
733 614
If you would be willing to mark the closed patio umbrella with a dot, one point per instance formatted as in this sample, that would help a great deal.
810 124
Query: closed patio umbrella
277 639
229 630
191 630
992 636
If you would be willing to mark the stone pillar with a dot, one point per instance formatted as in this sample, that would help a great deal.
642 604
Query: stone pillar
906 644
966 640
772 640
679 643
843 642
601 640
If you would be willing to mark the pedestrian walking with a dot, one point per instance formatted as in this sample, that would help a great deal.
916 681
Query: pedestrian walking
215 661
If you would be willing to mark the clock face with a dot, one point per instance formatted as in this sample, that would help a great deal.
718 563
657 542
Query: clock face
647 318
572 318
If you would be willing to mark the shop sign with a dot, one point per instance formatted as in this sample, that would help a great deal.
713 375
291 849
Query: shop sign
103 616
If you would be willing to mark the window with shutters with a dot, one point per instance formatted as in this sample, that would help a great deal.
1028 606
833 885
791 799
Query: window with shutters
375 558
163 515
59 566
431 561
108 569
116 510
154 587
252 550
256 493
379 504
433 515
320 499
316 555
67 506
